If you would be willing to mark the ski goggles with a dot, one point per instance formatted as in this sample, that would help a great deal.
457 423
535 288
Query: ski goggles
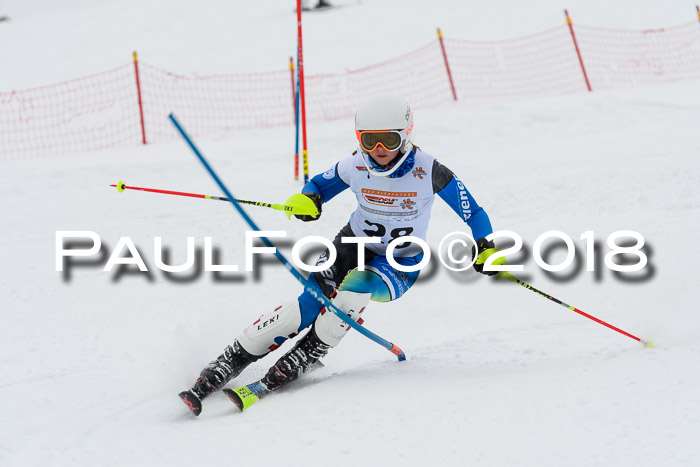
388 139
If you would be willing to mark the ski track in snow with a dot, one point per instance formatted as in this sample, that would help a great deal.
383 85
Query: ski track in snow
496 375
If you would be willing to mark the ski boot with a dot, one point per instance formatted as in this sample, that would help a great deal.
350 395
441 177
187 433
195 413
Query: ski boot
303 358
300 359
326 332
216 374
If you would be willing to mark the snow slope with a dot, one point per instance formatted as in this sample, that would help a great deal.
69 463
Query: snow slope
496 375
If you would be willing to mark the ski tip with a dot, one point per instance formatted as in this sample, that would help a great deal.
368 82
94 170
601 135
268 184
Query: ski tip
235 398
191 401
243 397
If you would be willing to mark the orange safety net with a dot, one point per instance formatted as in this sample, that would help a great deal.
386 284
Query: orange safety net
88 113
101 110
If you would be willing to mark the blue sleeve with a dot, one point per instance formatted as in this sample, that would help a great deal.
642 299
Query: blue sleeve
456 195
328 184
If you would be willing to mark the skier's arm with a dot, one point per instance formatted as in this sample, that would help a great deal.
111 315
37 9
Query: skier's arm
322 188
455 194
327 185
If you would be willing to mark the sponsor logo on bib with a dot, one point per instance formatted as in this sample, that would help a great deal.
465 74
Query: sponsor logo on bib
389 198
419 172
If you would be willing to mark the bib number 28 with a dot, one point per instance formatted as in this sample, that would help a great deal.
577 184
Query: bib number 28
379 230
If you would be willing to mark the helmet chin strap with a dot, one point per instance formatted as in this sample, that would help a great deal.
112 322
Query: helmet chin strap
407 150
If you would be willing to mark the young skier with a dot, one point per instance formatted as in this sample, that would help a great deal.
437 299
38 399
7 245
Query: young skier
394 183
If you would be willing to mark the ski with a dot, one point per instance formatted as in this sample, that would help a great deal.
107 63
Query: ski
247 395
192 401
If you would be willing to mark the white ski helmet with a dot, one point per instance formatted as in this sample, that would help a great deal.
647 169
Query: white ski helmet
388 121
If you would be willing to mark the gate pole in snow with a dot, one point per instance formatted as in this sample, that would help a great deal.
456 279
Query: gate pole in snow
447 65
138 91
294 94
578 52
296 127
302 96
295 103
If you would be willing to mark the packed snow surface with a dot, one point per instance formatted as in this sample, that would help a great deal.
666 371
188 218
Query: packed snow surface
496 375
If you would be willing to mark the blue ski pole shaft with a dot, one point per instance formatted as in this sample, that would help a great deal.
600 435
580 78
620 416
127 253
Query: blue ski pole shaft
310 287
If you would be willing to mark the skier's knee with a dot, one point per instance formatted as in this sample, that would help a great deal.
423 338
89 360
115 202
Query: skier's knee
271 329
366 282
330 328
310 308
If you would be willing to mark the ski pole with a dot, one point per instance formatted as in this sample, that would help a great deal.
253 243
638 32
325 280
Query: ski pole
296 204
512 278
312 288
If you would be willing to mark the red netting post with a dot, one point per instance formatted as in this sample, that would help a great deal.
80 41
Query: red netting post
138 91
578 52
447 64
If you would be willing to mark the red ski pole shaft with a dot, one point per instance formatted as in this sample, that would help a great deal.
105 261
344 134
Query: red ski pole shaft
512 278
121 186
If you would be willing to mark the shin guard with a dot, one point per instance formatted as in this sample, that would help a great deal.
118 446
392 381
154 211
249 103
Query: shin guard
329 328
271 329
